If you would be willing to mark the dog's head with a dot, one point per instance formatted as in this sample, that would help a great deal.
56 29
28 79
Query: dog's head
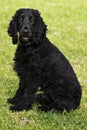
27 27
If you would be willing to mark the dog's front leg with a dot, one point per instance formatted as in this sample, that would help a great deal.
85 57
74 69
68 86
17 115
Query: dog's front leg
27 99
19 93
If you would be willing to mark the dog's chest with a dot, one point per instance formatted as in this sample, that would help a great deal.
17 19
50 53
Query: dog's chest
27 60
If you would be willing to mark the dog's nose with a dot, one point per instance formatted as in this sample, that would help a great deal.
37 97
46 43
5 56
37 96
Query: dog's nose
25 30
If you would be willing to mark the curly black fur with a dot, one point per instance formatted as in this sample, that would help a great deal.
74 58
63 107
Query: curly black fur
39 63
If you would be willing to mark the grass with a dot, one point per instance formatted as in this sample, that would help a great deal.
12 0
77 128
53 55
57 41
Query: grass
67 29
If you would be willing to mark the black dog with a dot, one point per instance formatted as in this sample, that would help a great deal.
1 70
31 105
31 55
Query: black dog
39 63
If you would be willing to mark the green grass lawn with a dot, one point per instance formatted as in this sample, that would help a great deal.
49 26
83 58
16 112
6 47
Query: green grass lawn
67 29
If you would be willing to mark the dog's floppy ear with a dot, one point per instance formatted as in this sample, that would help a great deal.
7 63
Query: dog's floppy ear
40 28
13 27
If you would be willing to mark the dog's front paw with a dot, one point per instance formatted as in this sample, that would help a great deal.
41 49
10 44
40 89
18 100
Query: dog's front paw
44 108
15 108
12 100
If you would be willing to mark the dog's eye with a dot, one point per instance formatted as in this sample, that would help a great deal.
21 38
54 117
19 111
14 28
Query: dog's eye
21 19
31 19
